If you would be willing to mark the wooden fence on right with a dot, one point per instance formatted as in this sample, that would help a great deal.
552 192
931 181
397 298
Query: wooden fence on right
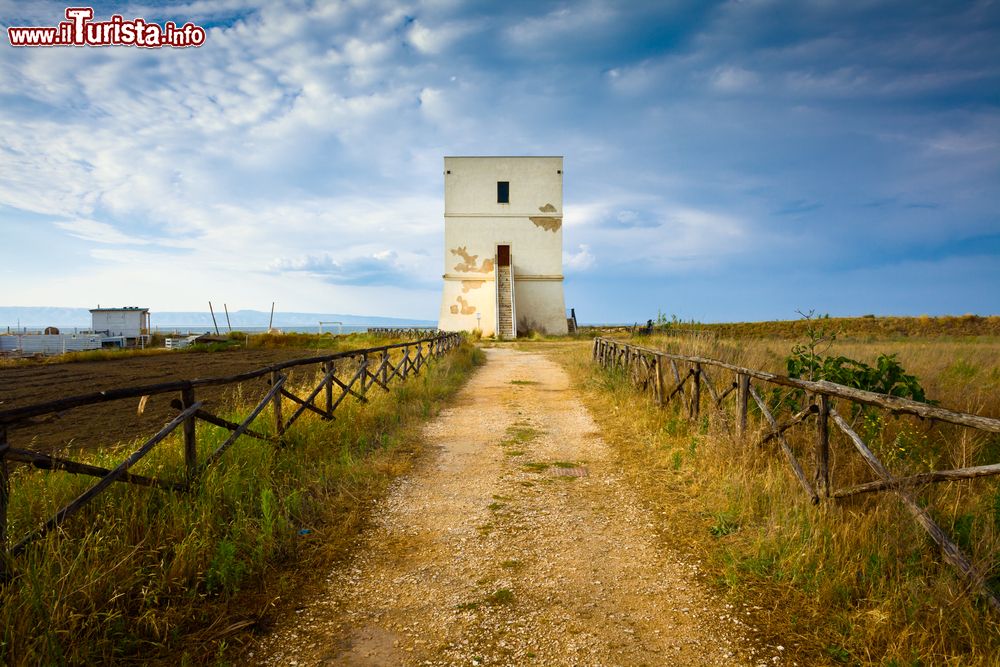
667 376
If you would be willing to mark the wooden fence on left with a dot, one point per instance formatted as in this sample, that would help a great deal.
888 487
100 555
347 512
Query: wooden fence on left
349 373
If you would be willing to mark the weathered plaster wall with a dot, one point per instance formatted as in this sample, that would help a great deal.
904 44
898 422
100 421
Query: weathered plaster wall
475 223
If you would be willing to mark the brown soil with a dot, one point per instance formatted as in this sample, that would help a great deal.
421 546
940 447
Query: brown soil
118 421
517 541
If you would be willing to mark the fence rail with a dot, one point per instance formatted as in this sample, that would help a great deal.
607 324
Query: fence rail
649 367
345 374
402 332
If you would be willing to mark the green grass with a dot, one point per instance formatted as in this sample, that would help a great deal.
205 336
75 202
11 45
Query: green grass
141 574
501 596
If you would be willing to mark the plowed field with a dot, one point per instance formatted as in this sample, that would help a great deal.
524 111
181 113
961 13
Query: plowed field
119 421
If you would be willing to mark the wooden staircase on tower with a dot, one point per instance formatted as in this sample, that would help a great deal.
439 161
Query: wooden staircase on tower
506 322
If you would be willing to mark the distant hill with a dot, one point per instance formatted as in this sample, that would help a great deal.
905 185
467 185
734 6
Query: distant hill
38 317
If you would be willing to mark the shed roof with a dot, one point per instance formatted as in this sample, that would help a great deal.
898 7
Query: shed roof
118 310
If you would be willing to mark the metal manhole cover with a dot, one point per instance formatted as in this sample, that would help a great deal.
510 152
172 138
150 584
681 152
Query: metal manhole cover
570 472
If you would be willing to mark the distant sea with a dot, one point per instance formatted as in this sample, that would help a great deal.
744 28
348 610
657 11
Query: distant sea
185 329
331 328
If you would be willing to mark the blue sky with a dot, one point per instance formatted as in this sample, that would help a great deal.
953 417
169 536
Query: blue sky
723 161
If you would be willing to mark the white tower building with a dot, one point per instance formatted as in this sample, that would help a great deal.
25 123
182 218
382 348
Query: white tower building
503 245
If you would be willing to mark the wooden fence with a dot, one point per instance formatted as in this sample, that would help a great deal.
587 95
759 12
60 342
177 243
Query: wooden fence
666 376
402 332
349 373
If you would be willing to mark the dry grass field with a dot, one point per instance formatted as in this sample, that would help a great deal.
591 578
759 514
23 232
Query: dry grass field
847 582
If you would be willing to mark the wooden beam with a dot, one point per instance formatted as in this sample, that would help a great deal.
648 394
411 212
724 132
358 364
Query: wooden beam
743 403
6 572
921 479
680 386
347 388
112 476
242 427
822 455
329 369
224 423
279 424
18 414
797 418
711 387
695 393
307 404
49 462
893 404
303 405
732 387
949 549
190 434
660 398
792 461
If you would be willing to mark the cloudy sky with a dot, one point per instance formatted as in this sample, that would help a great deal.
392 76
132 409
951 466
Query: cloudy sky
723 161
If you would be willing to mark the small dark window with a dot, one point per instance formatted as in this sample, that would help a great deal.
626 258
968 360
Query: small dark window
503 192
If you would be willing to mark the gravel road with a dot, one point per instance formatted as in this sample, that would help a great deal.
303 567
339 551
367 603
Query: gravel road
515 542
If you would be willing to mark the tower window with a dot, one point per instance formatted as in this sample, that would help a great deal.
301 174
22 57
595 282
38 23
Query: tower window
503 192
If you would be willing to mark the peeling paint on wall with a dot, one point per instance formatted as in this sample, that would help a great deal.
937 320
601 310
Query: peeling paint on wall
548 208
547 223
463 307
469 265
471 284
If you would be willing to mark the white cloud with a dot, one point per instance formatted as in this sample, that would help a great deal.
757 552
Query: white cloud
571 22
99 232
433 40
303 141
734 79
581 260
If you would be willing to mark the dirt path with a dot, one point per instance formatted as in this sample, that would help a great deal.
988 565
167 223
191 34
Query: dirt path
516 543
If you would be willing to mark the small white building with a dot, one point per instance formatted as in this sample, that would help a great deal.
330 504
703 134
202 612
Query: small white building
503 245
131 323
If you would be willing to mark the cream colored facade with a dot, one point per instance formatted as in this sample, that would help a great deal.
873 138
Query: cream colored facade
477 225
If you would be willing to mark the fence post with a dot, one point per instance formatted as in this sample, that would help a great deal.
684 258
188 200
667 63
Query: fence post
5 569
696 393
744 395
385 367
594 353
190 435
659 380
365 381
823 447
279 424
328 367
